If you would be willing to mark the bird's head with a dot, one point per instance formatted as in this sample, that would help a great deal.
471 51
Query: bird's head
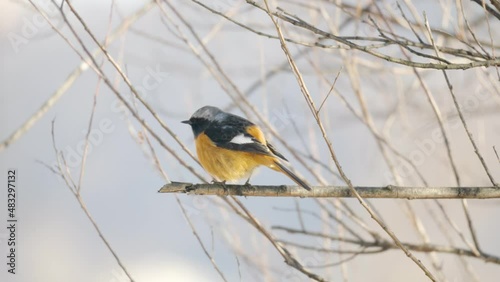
200 120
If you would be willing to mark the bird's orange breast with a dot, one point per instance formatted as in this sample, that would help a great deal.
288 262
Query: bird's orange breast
224 164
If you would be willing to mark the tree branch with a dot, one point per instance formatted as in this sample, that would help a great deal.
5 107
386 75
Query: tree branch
387 192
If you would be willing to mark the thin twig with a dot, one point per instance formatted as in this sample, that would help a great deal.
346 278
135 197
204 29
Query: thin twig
330 91
312 107
367 49
212 261
83 206
129 84
496 153
289 258
386 245
490 10
99 71
72 77
94 106
459 111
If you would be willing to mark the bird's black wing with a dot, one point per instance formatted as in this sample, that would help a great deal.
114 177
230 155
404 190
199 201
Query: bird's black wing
232 134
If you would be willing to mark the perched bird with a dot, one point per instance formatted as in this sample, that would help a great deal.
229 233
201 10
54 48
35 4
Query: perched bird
230 147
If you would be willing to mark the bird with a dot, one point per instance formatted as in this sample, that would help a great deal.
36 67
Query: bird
230 147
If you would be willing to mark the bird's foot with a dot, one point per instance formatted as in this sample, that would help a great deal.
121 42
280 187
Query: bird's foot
248 185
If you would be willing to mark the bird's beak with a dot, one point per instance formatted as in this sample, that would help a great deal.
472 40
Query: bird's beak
186 121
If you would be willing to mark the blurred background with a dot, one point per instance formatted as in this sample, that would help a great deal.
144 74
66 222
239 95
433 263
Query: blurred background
182 55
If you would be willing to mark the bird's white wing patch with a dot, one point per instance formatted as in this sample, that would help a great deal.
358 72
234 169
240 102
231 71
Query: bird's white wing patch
241 139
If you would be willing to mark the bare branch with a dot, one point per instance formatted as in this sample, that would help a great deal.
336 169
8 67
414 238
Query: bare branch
387 192
383 245
72 77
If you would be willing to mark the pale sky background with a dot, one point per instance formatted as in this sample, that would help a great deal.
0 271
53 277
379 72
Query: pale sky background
147 229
